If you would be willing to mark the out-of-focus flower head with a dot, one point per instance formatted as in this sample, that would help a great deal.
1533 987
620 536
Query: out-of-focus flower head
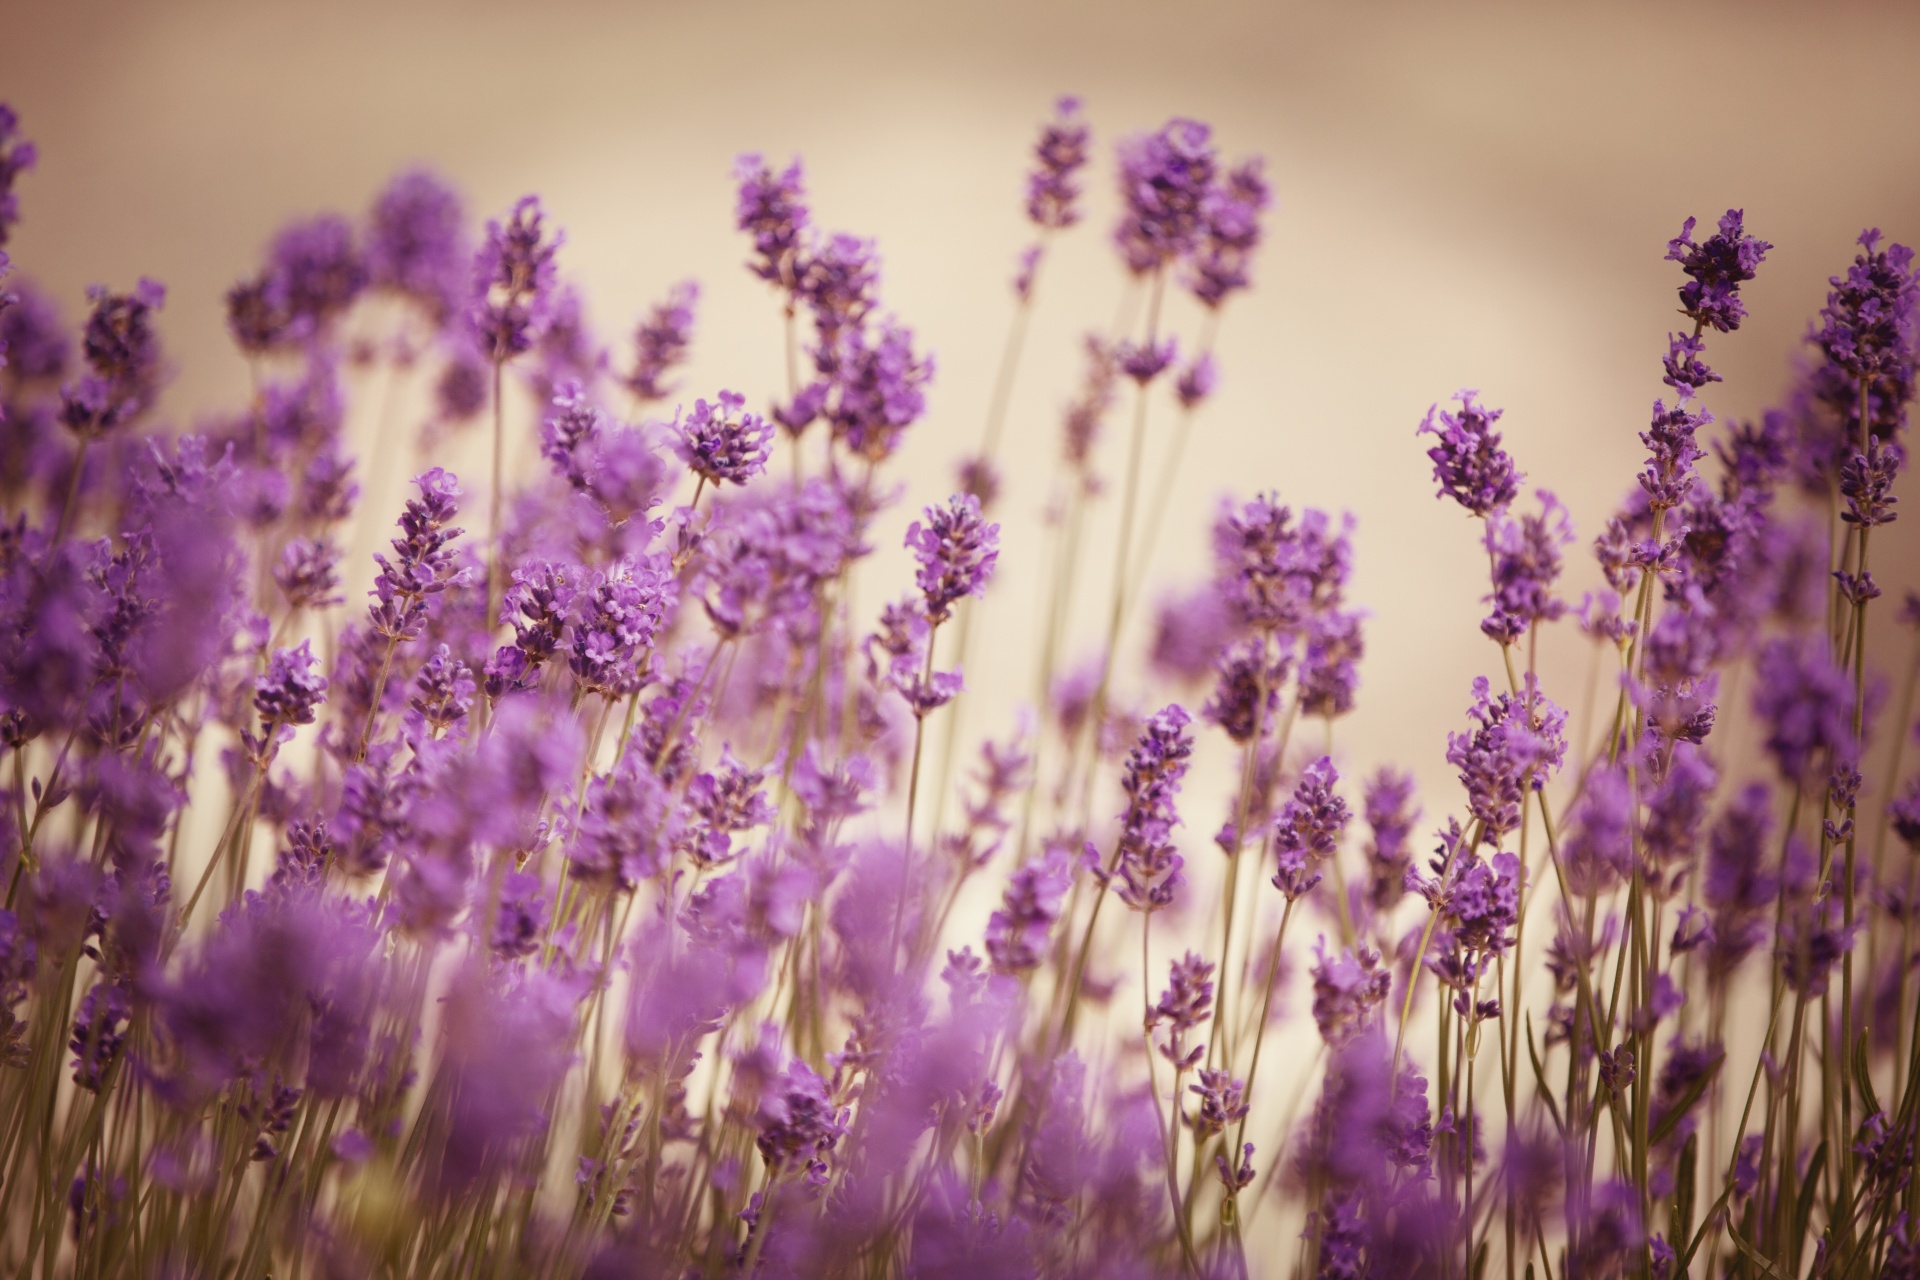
17 155
1525 553
1164 180
772 209
513 290
1053 189
1222 262
416 242
123 359
660 343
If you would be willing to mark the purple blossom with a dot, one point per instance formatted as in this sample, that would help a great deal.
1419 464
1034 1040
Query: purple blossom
1184 1005
660 343
1598 851
416 241
1390 814
1330 667
799 1124
956 549
1686 372
320 271
1468 461
1273 572
879 390
422 565
33 340
627 828
1904 815
1867 328
1806 704
290 692
1516 745
1053 188
1164 181
1017 932
17 155
1866 482
720 443
1525 553
442 692
1307 830
772 209
1669 474
615 622
721 803
512 294
1145 861
123 359
1221 262
1348 985
1196 381
1248 690
1717 268
309 573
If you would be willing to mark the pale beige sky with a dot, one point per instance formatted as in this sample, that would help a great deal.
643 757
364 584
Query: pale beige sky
1472 195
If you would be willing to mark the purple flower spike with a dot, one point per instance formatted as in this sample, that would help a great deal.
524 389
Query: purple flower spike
308 573
320 270
617 619
1222 264
1017 932
1348 985
290 691
1718 267
1468 462
123 356
1307 830
1867 328
660 343
1526 562
1053 191
1904 814
957 550
513 288
1506 754
17 155
1184 1005
772 209
1164 181
1148 866
1671 452
720 443
415 243
422 565
1197 382
1806 703
1143 362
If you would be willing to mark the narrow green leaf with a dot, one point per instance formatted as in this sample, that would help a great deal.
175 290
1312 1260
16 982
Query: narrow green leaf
1803 1212
1862 1075
1683 1191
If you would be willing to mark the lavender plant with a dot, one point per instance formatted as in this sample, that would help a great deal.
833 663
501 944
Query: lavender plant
581 910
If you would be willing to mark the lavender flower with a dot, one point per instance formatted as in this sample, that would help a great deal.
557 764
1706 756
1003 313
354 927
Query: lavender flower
772 209
957 550
1348 985
17 155
1806 703
415 241
1867 328
1248 690
1164 181
512 295
1184 1005
1308 828
1516 745
1525 553
319 270
717 446
1390 814
1468 461
1669 474
1053 189
123 356
615 622
1017 933
422 565
308 573
1148 867
1717 268
1221 263
661 341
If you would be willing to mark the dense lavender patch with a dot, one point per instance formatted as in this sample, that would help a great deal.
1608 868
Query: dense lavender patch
608 899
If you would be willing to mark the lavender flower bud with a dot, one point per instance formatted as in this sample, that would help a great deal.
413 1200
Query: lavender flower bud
1348 985
17 155
1525 553
615 623
1017 933
415 242
772 209
422 566
290 691
123 354
1222 261
308 573
1184 1005
1867 327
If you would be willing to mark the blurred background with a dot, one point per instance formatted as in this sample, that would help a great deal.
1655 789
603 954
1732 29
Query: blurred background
1468 195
